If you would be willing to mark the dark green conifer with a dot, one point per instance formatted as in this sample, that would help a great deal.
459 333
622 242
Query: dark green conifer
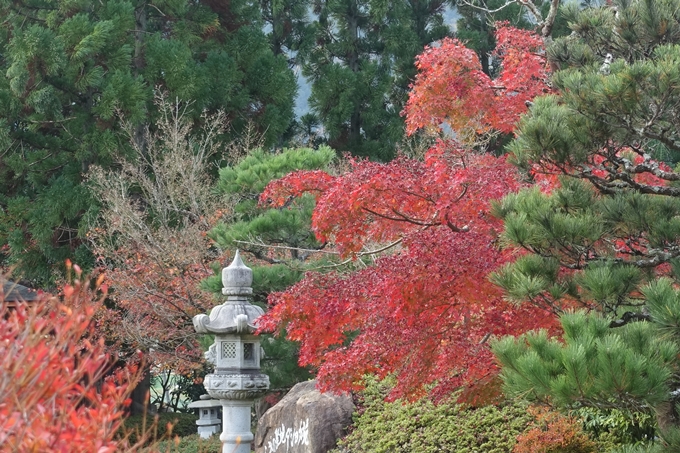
360 64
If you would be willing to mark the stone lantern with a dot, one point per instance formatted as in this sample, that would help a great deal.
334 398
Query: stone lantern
209 421
237 380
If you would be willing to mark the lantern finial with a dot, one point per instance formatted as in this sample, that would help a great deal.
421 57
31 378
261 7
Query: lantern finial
237 278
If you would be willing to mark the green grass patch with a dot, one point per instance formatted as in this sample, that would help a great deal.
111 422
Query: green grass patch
190 444
167 425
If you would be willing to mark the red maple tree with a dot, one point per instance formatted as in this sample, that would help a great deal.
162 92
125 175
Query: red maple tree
58 392
424 308
451 88
424 312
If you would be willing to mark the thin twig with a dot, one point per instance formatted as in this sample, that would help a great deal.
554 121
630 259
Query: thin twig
361 254
284 247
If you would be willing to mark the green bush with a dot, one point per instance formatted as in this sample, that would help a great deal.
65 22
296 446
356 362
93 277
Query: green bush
190 444
424 427
621 426
182 425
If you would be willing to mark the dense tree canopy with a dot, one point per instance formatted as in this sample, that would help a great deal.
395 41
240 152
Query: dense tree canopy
71 69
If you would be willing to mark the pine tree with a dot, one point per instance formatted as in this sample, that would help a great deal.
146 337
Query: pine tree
71 69
258 231
286 24
600 232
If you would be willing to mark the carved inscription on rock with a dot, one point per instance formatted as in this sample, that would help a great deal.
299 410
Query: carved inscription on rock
286 437
304 421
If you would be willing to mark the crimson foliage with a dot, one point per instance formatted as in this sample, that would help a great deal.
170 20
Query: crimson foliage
57 391
424 312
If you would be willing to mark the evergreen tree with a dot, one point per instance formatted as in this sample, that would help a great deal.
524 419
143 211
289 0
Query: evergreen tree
72 68
286 24
601 233
258 231
360 64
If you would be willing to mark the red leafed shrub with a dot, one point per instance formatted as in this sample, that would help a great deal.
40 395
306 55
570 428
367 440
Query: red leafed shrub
58 392
554 433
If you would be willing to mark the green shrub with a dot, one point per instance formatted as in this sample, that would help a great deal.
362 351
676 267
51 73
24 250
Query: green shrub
621 426
190 444
424 427
182 425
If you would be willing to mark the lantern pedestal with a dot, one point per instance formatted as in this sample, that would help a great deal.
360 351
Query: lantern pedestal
236 436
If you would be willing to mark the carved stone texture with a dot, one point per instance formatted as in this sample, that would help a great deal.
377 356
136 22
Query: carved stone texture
304 421
236 386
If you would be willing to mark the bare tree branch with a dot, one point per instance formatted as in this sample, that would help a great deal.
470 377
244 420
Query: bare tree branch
544 24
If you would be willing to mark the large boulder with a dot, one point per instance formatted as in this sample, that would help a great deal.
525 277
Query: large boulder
304 421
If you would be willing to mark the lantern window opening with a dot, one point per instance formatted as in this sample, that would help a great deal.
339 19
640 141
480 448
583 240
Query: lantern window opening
249 352
228 350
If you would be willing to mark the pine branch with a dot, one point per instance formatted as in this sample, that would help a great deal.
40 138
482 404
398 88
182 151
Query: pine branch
629 317
362 254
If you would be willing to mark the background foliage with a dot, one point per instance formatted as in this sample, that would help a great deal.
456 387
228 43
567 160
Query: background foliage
71 69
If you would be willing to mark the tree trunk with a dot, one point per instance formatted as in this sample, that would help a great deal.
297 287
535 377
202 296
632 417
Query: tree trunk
353 63
140 395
